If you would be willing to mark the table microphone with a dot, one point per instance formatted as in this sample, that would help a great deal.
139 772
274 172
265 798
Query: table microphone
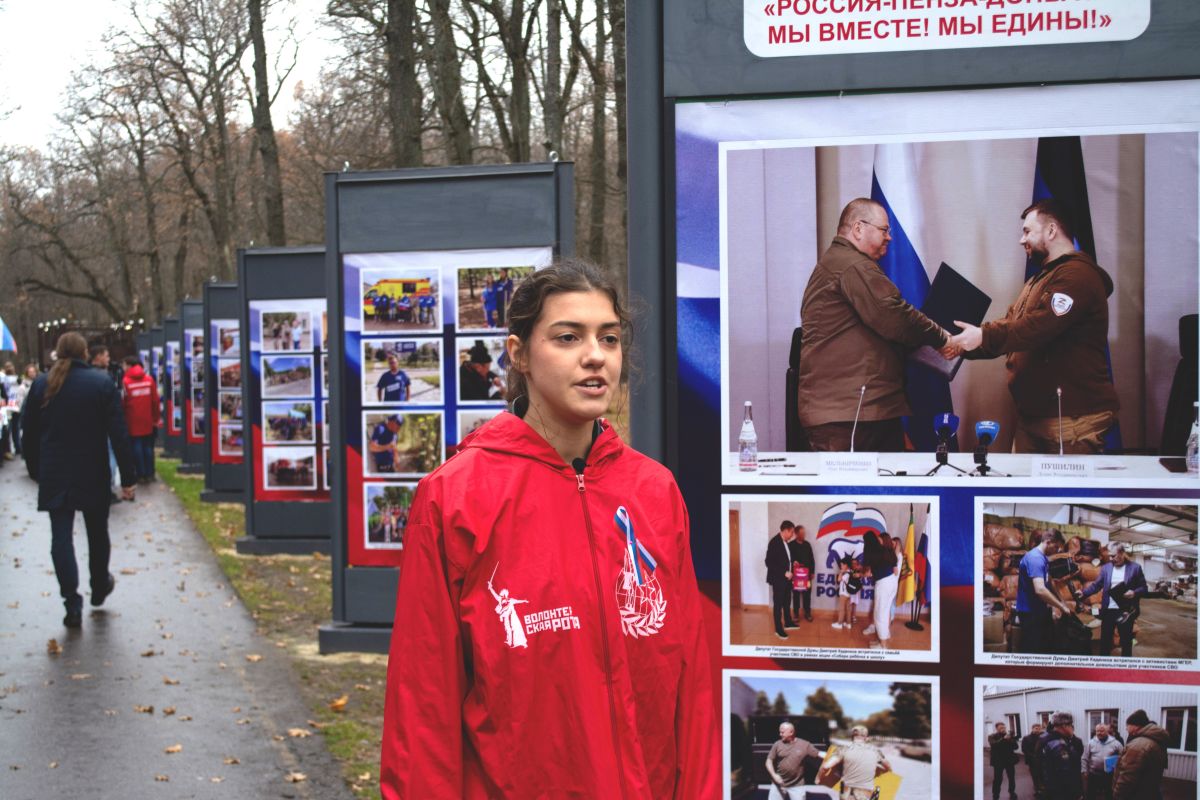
986 432
854 428
945 426
1058 390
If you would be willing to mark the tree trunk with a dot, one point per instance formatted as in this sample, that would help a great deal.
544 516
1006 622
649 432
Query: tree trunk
598 163
268 148
553 104
616 15
181 253
446 71
404 92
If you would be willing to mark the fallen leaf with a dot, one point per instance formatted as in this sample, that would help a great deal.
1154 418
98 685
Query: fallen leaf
216 779
340 703
80 676
278 737
15 604
232 760
168 711
45 594
161 778
186 718
129 571
243 721
148 653
254 658
296 777
168 636
362 687
144 709
53 765
170 681
236 709
364 776
53 647
298 733
175 748
110 712
315 724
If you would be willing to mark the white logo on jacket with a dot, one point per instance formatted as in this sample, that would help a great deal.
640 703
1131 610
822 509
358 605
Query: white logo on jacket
1061 303
518 628
643 607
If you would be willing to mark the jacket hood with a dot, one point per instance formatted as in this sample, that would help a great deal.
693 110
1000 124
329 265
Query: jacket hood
135 372
1153 732
1079 255
507 433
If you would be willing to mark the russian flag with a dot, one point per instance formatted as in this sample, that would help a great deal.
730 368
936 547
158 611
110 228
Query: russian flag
837 519
7 341
896 185
868 519
1059 174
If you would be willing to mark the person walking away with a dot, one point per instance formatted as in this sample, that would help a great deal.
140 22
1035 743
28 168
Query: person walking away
72 415
140 404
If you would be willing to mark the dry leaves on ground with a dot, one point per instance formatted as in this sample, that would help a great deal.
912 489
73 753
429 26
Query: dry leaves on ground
53 647
254 658
144 709
231 760
340 703
299 733
170 681
296 777
175 748
162 778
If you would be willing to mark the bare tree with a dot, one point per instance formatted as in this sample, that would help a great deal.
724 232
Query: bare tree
445 70
268 147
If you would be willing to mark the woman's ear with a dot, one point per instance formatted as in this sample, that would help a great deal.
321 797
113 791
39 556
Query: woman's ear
516 352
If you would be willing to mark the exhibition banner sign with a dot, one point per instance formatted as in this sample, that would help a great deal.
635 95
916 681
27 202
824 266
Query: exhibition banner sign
288 361
225 409
425 365
775 28
173 386
193 358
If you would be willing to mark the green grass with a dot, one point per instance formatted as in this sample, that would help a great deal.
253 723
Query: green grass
289 597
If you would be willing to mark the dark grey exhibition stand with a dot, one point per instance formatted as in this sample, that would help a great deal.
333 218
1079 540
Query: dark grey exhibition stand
223 482
452 208
288 526
191 317
172 333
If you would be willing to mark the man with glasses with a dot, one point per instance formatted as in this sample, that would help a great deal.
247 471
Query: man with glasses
857 332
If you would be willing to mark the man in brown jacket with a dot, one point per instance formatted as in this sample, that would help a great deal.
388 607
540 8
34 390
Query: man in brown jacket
1140 768
857 330
1055 338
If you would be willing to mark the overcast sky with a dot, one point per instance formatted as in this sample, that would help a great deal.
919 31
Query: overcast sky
43 41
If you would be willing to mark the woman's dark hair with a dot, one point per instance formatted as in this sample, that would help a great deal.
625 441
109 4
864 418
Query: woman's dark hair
875 554
529 298
70 346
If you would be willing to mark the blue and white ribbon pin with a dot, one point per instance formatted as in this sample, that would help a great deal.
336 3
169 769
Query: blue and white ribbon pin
637 554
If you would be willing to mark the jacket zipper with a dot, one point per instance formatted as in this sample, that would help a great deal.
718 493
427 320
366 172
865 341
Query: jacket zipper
612 701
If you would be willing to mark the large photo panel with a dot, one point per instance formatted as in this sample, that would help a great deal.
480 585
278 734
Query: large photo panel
952 175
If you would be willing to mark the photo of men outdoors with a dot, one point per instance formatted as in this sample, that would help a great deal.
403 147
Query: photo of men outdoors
802 736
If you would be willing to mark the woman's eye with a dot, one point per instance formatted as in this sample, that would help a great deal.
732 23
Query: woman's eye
567 337
611 339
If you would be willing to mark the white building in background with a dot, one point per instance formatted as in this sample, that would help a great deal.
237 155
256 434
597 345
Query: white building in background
1019 706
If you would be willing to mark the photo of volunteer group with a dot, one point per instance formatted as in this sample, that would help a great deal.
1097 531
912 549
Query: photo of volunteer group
401 301
1086 578
484 294
1096 740
829 574
803 735
915 299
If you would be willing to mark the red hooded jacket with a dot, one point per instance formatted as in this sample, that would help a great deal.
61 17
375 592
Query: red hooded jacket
527 660
140 400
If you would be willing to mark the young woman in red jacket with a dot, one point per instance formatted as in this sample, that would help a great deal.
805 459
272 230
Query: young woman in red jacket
548 640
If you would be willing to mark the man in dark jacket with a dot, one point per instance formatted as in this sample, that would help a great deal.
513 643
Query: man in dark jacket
1029 746
857 330
1130 582
779 576
802 555
1055 338
1003 746
1140 768
1061 754
71 415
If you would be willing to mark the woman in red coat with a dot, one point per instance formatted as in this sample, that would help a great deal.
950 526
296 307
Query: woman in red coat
548 639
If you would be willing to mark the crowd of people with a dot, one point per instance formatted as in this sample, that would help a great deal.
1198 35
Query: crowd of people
404 308
286 334
1063 767
386 524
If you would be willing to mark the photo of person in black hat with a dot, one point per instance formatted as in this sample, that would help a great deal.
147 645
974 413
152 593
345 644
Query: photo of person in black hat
480 363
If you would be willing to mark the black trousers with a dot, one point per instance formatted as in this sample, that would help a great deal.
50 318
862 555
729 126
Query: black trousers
998 780
781 598
1036 631
62 552
875 436
799 596
1108 621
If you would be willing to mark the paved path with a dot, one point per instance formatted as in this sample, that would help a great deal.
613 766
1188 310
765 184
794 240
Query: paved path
173 636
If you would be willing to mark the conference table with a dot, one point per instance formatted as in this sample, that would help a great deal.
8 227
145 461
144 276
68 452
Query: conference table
841 469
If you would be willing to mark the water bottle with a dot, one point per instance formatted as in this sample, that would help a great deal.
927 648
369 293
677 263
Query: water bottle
1193 441
748 442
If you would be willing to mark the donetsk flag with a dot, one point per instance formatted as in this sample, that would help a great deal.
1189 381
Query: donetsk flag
896 185
7 342
1059 174
908 571
837 519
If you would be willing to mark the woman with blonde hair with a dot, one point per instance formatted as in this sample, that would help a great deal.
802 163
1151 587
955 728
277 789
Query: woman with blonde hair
71 414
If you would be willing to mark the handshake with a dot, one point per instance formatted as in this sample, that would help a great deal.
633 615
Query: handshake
957 344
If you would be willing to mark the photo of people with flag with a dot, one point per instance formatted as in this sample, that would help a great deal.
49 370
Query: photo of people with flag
871 578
